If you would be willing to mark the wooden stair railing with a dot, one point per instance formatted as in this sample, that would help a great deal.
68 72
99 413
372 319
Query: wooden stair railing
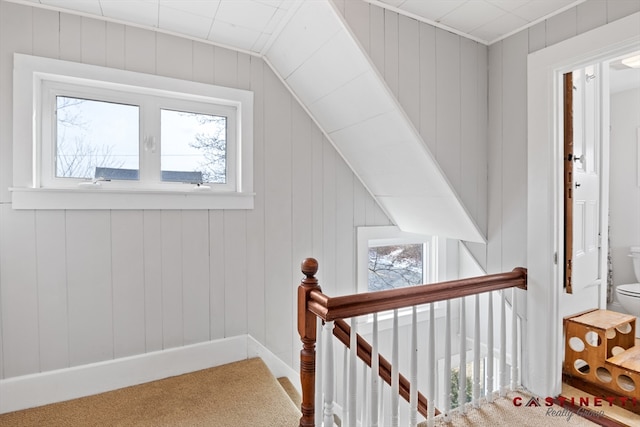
312 304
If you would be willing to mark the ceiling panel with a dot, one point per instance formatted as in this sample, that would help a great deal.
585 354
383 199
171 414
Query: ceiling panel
247 14
471 15
179 21
205 9
498 27
535 9
326 76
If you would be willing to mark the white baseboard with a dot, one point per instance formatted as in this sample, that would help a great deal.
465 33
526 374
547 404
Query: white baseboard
33 390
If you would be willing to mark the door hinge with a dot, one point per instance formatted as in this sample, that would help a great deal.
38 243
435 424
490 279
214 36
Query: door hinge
555 258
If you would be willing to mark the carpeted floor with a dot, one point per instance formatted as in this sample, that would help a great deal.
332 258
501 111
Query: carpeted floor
238 394
244 394
503 413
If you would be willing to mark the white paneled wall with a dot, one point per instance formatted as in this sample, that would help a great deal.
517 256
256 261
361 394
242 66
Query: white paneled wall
84 286
440 80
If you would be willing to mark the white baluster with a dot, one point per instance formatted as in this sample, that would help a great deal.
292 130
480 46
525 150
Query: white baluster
446 405
476 354
329 375
431 368
353 373
319 372
413 395
363 396
395 381
345 386
375 377
503 343
383 403
462 372
514 339
489 366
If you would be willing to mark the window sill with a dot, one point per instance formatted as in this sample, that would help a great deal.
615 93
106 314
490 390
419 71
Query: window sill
55 198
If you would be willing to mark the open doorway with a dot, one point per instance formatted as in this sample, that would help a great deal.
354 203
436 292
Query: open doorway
547 301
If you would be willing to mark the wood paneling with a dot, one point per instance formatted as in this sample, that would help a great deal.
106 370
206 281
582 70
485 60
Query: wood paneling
71 37
19 292
409 72
171 266
16 21
235 279
514 151
127 252
89 290
152 259
95 52
195 275
50 227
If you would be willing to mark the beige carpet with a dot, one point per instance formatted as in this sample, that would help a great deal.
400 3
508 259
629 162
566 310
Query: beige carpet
503 413
239 394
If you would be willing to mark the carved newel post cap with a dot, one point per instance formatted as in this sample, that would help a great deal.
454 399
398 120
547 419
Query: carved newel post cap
309 267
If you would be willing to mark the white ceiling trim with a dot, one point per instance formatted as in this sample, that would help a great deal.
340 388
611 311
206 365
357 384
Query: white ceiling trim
464 34
135 25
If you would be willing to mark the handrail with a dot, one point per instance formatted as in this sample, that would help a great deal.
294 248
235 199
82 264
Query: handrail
342 331
344 307
313 303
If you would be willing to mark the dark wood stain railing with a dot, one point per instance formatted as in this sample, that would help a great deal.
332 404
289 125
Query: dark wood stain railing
313 303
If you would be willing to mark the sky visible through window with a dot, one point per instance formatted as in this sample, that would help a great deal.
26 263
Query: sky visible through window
93 134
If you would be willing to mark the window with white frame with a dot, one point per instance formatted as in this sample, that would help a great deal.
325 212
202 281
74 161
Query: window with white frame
389 258
173 143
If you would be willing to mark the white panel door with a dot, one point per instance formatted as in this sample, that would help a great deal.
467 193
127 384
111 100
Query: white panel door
586 200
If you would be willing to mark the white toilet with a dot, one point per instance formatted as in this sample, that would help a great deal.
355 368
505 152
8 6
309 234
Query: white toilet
629 294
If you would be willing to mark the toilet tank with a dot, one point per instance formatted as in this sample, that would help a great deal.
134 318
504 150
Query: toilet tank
634 253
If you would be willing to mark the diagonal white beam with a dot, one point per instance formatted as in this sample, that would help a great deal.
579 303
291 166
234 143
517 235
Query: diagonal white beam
319 60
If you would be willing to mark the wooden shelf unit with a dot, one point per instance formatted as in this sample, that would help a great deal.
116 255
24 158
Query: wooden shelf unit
600 349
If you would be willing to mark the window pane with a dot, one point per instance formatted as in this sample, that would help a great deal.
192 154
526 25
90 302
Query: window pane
395 266
96 139
194 147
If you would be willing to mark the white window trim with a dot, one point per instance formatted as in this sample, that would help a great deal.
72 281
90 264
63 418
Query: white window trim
388 235
27 190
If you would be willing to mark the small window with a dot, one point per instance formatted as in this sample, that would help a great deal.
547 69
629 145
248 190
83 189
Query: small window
174 143
389 258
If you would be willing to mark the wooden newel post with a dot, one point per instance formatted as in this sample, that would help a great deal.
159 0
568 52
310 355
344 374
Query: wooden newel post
307 331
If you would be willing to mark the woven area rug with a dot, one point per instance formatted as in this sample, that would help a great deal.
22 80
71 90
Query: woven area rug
504 413
238 394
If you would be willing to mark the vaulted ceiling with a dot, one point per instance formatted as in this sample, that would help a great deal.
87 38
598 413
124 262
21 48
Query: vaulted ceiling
308 45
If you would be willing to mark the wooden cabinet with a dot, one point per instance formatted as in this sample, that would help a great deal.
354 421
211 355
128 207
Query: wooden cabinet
600 349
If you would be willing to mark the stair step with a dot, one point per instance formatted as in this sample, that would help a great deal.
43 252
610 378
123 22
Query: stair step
291 391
